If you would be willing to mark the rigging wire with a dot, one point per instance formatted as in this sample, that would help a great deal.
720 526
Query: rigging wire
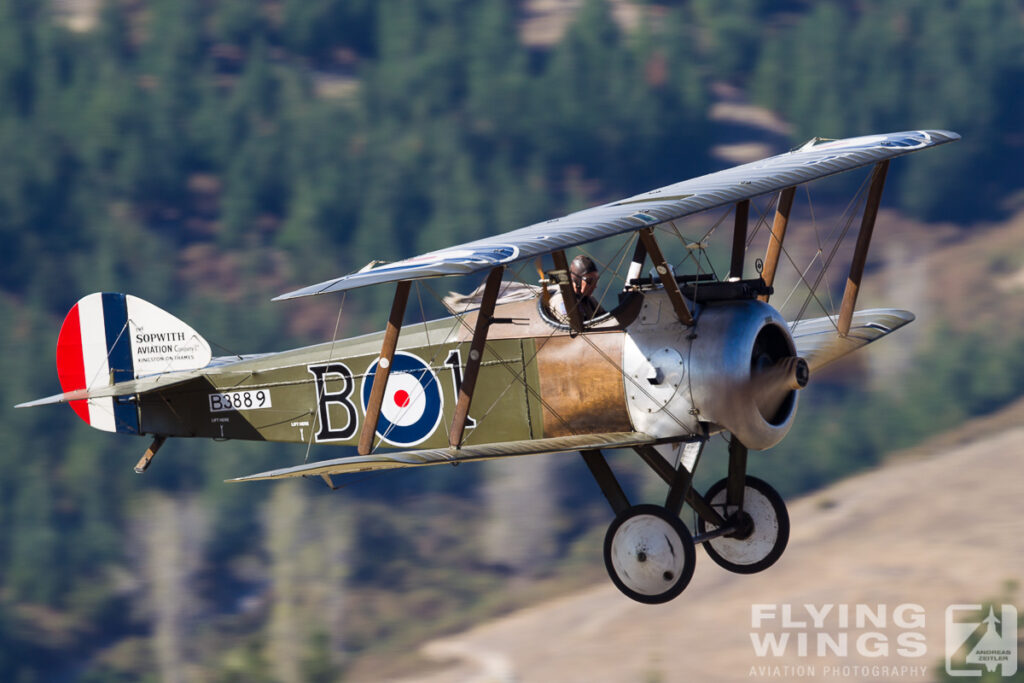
821 251
616 275
698 246
319 395
762 221
516 376
849 213
435 352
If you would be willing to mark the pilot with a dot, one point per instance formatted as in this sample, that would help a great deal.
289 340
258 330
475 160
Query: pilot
583 276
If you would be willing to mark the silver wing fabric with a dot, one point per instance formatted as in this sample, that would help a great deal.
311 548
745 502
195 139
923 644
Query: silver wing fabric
816 159
819 343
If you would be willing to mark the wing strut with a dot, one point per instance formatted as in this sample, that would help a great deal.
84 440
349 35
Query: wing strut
380 377
860 254
572 308
668 279
771 258
476 353
739 239
637 265
737 473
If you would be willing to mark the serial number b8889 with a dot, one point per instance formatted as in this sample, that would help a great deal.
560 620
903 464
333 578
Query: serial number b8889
239 400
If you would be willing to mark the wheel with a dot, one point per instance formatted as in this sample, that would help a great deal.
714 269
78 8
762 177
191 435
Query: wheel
764 530
649 554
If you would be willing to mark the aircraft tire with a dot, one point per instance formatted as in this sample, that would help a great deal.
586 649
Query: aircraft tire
649 554
764 542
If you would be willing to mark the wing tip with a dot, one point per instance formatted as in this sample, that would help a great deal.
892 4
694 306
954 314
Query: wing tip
312 290
295 294
258 476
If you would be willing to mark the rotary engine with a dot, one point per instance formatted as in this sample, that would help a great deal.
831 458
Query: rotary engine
735 370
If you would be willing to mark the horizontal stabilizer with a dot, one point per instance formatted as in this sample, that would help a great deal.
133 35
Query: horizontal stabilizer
218 366
129 388
441 456
819 343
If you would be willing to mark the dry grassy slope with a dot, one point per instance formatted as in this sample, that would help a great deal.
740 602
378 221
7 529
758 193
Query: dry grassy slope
936 527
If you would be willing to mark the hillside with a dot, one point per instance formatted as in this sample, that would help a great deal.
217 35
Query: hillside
207 155
933 528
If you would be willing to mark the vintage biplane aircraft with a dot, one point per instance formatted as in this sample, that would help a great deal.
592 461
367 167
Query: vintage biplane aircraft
680 358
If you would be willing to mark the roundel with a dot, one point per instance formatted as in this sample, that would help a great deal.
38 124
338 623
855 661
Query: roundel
412 404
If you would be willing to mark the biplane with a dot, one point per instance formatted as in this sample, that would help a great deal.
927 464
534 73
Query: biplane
681 357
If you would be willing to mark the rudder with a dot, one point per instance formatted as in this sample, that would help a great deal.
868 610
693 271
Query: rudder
108 338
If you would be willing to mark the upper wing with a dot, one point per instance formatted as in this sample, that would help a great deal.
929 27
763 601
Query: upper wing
440 456
819 343
814 160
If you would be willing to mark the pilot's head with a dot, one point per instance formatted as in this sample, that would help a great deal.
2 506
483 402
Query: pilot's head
583 274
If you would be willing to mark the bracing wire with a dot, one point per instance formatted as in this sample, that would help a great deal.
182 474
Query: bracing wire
319 395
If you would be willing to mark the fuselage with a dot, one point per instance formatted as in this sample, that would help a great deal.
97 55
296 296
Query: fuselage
636 369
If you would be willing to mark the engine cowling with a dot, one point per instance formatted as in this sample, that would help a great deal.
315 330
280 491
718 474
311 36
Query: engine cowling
736 369
744 372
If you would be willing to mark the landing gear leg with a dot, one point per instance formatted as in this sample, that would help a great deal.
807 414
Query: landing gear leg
682 480
606 480
648 551
761 527
756 527
737 472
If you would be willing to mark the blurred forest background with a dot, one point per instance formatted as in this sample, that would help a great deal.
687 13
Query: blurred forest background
207 155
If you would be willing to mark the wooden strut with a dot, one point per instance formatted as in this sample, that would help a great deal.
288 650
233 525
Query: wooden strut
682 480
606 480
476 352
572 308
380 377
860 254
636 266
656 461
737 482
668 280
771 258
147 457
739 239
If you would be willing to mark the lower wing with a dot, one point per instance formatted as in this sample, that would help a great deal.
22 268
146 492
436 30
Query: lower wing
819 343
440 456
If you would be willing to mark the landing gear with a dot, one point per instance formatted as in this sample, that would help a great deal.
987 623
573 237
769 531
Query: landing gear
761 522
649 554
648 551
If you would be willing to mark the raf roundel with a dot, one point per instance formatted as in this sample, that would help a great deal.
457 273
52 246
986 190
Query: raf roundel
412 403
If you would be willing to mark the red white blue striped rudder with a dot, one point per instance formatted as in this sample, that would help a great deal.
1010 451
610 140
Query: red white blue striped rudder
108 338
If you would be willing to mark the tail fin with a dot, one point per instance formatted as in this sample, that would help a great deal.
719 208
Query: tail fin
108 338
